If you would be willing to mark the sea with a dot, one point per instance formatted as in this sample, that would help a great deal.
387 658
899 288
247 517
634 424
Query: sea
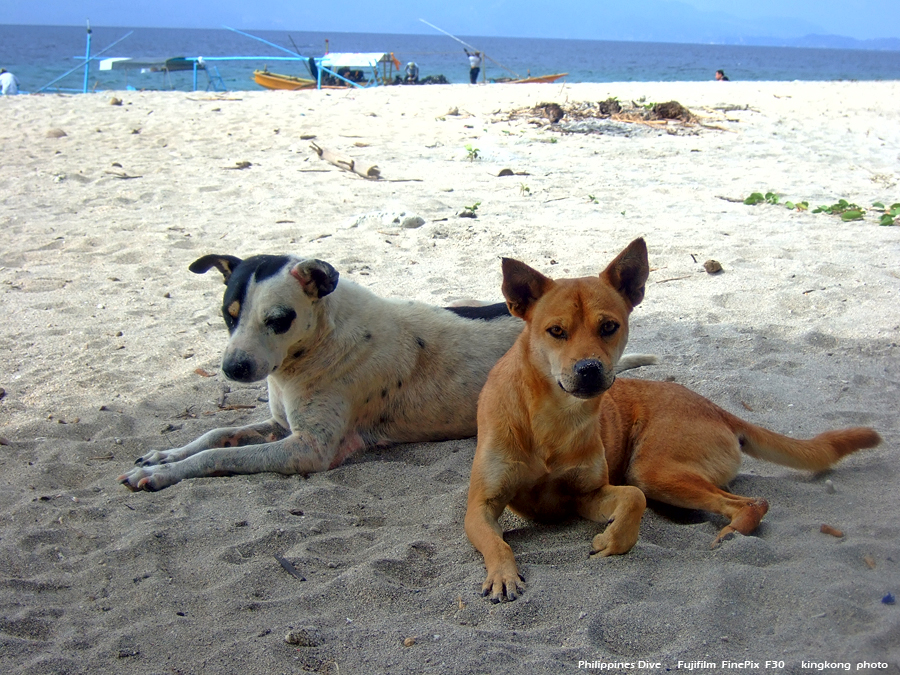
51 58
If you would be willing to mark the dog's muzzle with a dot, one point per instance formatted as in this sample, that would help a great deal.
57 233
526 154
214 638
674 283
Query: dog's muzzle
241 366
587 379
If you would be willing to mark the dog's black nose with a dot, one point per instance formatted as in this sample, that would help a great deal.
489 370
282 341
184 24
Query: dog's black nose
239 366
588 376
588 368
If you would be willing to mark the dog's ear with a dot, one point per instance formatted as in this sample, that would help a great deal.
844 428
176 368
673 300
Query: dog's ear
317 277
629 271
522 286
226 264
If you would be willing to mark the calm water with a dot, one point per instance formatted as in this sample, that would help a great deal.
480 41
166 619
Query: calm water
39 54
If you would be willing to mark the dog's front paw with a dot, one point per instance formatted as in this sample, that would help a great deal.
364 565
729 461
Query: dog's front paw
614 542
155 457
148 478
727 533
500 586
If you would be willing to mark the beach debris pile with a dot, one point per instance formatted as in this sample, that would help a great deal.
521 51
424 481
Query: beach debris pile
401 217
612 116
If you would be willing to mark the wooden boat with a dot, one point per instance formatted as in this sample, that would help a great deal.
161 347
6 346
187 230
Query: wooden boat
277 81
336 70
540 78
536 79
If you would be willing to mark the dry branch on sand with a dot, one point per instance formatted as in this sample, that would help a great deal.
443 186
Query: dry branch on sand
346 163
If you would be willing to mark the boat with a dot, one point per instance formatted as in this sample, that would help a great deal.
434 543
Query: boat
336 70
166 65
537 79
278 81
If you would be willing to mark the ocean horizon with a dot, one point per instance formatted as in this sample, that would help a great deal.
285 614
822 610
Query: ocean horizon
38 55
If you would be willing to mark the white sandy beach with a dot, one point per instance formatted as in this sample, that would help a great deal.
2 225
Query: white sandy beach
111 347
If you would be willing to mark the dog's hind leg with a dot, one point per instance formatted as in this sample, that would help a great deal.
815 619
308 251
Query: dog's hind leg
621 507
692 491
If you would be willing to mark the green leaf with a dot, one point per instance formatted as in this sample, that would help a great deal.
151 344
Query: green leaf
895 210
886 220
754 198
790 205
878 205
851 215
802 206
771 198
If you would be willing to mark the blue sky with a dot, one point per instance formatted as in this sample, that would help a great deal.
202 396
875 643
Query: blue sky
659 20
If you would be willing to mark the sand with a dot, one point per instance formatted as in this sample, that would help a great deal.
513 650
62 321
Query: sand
110 347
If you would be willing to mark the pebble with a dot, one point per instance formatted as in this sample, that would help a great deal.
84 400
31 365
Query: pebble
300 638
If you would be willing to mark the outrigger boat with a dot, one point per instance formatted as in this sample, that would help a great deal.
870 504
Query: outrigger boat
165 66
538 79
335 70
277 81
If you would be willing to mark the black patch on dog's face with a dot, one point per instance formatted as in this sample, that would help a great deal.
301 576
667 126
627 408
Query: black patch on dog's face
483 313
258 268
279 319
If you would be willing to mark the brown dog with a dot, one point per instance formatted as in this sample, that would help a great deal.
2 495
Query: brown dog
559 436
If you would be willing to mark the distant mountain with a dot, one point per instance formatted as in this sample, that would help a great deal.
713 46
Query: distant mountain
647 21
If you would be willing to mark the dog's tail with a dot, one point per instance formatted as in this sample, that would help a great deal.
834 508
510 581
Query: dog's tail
630 361
816 454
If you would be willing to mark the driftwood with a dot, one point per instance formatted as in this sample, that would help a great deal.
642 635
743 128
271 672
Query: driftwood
346 163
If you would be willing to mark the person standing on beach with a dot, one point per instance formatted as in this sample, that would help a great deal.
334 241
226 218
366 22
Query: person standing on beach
9 85
721 76
474 65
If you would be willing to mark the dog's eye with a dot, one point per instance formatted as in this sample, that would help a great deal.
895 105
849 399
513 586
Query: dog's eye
608 328
281 322
558 332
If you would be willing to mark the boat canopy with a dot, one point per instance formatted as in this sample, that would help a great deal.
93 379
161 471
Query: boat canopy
354 61
153 65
